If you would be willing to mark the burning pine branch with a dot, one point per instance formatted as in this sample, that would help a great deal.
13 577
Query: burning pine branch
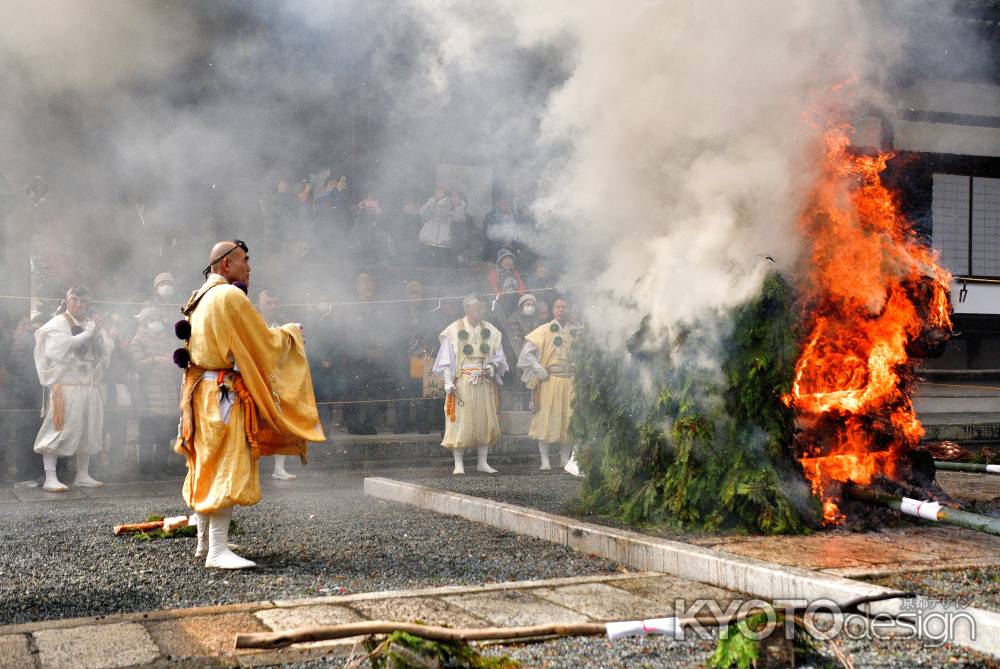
872 295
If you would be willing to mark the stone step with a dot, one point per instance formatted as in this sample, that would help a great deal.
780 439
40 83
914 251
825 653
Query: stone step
965 428
968 404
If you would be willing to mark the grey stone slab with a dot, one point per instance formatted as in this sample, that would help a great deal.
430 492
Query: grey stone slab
203 636
284 619
430 610
7 496
515 608
95 647
666 590
602 602
15 653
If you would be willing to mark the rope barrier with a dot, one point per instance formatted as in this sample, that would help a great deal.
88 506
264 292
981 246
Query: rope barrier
326 403
323 305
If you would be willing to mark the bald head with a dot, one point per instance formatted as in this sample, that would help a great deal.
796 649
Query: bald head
231 262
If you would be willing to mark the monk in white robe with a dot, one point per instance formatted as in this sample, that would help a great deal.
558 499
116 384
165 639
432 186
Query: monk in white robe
471 362
548 372
71 355
247 394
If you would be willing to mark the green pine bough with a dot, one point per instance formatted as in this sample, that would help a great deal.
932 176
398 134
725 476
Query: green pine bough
670 441
401 650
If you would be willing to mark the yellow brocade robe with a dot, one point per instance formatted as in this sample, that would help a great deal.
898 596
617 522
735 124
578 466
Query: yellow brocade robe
550 344
222 451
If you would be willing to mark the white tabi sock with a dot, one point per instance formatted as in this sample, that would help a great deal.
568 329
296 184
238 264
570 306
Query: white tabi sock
52 482
219 556
571 467
482 465
543 451
83 479
459 454
279 469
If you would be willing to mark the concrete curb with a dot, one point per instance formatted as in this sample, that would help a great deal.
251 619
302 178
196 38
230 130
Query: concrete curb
645 553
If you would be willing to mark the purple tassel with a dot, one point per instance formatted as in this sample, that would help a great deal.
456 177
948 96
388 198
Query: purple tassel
182 329
182 358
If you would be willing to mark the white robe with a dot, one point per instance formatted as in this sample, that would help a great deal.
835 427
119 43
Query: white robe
477 422
77 366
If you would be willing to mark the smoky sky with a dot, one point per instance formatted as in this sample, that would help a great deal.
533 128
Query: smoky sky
190 108
651 132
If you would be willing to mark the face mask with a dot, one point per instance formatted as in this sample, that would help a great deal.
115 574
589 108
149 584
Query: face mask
154 326
165 290
528 309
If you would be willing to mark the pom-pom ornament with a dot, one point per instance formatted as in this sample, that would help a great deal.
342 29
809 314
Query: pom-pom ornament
182 358
468 350
182 329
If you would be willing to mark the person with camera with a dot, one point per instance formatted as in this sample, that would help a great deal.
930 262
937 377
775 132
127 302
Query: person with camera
71 356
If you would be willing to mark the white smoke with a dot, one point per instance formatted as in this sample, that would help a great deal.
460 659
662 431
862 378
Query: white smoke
691 145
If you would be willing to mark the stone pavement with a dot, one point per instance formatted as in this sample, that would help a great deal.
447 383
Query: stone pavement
205 636
925 547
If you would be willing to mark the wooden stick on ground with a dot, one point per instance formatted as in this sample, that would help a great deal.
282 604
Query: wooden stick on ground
138 527
272 640
326 633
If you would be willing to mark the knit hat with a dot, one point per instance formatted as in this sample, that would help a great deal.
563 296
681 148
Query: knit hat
504 253
163 277
527 297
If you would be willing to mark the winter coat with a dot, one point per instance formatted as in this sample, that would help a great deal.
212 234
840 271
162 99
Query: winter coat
159 378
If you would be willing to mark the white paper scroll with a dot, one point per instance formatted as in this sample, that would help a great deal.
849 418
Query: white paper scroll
644 627
993 469
915 507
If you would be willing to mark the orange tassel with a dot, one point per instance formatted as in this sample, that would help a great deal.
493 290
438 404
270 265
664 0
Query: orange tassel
58 407
250 421
449 407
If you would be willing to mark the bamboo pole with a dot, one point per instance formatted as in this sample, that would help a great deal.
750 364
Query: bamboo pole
967 467
972 521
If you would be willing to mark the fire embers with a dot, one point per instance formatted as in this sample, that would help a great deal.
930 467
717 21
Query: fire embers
872 296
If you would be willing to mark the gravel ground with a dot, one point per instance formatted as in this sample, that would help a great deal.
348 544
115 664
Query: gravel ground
60 559
979 588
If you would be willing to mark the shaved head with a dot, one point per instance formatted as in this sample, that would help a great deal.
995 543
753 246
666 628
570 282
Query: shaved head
219 249
231 262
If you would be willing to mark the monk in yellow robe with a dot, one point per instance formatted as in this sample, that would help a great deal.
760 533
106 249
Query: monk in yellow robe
247 393
548 371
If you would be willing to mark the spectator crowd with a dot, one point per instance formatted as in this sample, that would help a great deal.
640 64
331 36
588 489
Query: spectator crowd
372 337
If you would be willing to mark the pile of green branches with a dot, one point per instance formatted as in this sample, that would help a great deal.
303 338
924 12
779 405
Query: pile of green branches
401 650
668 442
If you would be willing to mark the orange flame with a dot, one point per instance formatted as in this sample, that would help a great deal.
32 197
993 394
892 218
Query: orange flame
871 289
